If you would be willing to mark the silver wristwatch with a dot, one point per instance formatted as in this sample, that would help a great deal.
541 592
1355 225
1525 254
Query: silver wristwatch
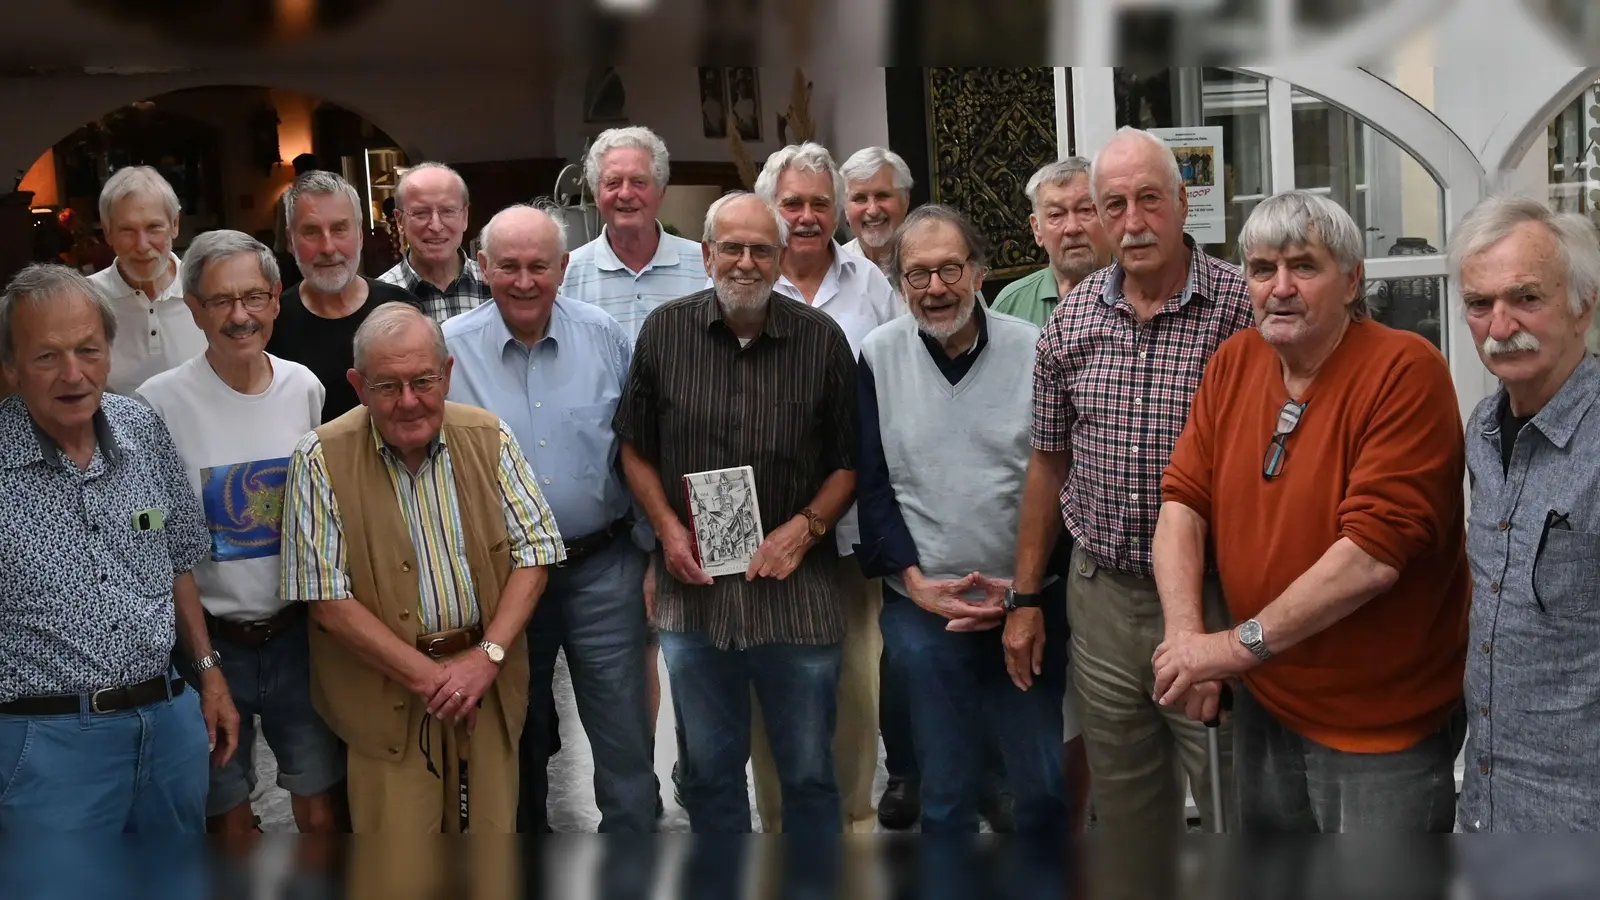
1249 635
209 661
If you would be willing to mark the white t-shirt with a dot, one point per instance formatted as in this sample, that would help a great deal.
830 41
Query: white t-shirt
236 448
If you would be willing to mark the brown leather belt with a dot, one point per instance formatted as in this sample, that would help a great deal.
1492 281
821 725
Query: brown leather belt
254 634
448 643
105 700
585 546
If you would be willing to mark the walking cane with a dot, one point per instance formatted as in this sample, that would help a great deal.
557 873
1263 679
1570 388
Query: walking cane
1214 757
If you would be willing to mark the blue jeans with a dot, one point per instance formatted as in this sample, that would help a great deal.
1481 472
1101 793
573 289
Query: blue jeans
958 689
273 681
711 689
595 612
141 770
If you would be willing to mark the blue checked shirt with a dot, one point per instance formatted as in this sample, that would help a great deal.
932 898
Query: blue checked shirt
595 275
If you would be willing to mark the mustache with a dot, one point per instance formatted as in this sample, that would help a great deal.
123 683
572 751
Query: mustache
237 329
806 230
336 259
1521 341
1141 239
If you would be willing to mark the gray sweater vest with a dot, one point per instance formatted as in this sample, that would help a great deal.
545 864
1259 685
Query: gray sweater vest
957 453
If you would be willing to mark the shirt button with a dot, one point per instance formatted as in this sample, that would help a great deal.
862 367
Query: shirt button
1485 647
103 578
394 751
1483 770
541 443
1494 588
1142 354
1483 710
399 707
1138 401
152 332
405 566
404 615
1504 525
1134 497
1136 448
547 481
538 403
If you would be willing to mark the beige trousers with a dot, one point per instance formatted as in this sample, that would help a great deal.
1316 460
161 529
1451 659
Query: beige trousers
855 737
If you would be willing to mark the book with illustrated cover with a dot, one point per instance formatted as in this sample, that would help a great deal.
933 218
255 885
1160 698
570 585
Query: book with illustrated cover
725 517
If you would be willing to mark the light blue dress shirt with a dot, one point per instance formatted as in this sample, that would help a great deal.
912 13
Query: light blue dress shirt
558 396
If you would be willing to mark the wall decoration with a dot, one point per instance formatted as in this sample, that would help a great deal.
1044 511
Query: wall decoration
744 101
713 103
605 99
1199 155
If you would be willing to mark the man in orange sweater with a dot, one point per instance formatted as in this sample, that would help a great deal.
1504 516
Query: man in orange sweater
1323 458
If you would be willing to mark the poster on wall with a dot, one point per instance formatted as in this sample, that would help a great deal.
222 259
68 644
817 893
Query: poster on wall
1199 154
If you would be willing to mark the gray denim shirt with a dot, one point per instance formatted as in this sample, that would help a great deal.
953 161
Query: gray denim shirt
1533 667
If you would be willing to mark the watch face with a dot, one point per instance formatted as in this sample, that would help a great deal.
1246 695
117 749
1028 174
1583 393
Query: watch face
1250 632
1011 599
495 651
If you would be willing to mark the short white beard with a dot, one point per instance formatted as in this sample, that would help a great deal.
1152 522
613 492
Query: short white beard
940 332
875 236
735 297
334 283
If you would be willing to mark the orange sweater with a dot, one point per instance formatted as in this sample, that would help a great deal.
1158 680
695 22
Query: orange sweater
1377 458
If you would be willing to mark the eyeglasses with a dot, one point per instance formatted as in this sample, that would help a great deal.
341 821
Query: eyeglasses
255 301
731 250
1277 450
392 390
421 216
949 274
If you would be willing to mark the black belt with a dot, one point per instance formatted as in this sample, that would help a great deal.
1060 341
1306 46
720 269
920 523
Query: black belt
581 548
105 700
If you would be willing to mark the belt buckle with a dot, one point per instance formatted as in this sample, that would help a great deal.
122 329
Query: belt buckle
94 701
433 647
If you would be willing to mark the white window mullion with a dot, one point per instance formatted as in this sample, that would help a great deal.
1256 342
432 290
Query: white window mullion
1063 111
1094 107
1280 125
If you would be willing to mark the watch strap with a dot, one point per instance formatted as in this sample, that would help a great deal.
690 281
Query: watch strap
1016 600
209 661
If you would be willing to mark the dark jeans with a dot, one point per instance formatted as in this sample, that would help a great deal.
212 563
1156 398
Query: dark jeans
1289 784
959 690
711 690
894 724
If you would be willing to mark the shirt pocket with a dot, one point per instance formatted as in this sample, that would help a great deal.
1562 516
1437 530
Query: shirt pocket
1566 573
588 431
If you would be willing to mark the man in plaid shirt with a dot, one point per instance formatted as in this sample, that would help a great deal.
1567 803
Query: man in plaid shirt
1114 373
431 204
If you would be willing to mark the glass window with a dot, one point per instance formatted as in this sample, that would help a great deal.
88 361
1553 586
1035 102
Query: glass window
1571 141
1410 304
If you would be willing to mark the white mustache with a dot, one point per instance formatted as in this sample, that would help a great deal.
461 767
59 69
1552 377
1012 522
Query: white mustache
1142 239
337 259
1521 341
806 230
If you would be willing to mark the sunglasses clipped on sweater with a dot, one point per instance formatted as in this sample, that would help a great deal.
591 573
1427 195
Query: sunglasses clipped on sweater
1278 449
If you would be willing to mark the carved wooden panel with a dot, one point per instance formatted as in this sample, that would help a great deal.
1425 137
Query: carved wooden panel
989 130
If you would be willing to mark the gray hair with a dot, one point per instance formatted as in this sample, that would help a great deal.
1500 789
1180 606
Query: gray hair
1299 218
318 183
131 180
392 319
1126 133
977 246
215 246
400 186
550 211
38 282
1057 173
1577 242
807 157
636 137
865 164
708 233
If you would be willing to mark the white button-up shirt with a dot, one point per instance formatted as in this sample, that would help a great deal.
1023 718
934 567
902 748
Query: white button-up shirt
595 275
153 335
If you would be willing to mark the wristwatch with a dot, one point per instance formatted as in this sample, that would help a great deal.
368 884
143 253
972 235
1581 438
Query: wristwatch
1016 601
209 661
815 523
1249 634
497 653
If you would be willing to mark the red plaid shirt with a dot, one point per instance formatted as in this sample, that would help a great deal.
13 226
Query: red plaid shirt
1115 394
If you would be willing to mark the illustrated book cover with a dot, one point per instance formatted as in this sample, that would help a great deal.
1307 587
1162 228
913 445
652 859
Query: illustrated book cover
725 517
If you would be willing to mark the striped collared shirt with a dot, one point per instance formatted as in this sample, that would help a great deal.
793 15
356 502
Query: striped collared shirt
1114 393
466 293
595 275
315 566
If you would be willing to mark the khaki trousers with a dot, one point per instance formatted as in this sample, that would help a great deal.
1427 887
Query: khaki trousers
404 797
855 738
1139 751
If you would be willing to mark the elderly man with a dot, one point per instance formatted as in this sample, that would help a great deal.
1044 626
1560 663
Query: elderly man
417 533
1321 468
634 266
957 438
431 206
741 376
877 194
101 534
1114 373
1529 279
235 414
321 313
1066 225
806 187
139 214
554 368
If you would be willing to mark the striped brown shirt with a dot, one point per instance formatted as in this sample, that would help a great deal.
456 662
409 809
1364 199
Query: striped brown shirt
783 405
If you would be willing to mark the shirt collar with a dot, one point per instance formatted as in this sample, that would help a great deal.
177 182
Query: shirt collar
606 259
556 332
15 419
174 290
414 281
388 452
841 268
775 326
1198 285
1559 418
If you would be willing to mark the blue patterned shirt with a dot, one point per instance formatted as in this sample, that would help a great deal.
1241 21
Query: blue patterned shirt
86 601
595 275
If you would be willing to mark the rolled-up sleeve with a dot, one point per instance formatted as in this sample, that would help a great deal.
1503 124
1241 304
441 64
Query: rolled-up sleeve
530 525
188 537
313 554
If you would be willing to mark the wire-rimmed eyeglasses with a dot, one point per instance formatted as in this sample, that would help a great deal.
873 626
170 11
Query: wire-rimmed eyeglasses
1278 450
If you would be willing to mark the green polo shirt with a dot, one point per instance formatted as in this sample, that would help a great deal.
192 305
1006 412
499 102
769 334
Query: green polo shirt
1032 298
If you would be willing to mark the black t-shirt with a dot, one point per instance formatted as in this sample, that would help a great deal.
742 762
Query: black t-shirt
327 346
1510 427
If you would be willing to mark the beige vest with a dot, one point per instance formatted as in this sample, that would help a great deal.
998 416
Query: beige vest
364 708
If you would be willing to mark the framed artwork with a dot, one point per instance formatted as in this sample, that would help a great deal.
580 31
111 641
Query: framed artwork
604 98
744 98
713 103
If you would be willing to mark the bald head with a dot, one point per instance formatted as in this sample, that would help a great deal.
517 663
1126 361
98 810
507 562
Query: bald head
524 259
523 219
1142 202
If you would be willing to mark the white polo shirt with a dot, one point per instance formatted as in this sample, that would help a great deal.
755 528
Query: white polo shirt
595 275
152 335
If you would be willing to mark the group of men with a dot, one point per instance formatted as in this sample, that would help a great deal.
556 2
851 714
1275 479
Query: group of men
369 513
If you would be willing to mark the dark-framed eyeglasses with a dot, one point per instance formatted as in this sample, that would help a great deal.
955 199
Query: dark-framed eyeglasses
255 301
392 390
733 250
949 273
1278 450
